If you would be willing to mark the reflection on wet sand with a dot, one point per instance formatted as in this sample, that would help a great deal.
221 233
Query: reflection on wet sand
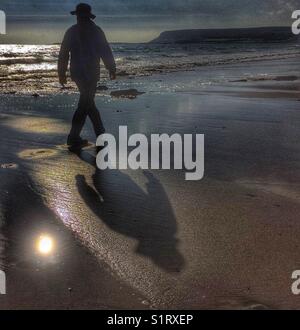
40 125
46 267
45 244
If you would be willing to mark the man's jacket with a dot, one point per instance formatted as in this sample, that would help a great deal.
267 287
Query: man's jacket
87 44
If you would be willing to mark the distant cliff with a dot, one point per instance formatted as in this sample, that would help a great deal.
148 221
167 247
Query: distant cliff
245 34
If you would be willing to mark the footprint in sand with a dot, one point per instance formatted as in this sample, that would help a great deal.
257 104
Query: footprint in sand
36 153
44 153
10 166
65 146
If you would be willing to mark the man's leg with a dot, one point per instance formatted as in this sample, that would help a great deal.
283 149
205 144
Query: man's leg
94 113
80 114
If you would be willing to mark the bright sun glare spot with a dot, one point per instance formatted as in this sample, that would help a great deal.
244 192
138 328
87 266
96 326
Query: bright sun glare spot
45 244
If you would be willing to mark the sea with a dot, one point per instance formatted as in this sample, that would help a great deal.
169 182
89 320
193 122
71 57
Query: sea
29 67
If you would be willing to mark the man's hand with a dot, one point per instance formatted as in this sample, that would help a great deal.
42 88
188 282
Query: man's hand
63 80
112 75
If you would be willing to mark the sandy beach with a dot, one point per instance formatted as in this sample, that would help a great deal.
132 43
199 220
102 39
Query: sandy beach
150 239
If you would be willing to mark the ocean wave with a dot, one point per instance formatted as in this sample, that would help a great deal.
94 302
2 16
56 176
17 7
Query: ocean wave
29 67
29 63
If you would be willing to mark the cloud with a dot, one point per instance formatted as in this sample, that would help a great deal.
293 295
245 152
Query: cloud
279 10
150 17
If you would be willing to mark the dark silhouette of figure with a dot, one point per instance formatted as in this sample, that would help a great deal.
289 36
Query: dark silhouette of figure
86 43
113 198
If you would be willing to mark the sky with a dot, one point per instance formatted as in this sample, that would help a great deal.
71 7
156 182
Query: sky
141 20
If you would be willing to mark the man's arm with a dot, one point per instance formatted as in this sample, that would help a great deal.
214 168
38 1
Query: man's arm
63 59
107 55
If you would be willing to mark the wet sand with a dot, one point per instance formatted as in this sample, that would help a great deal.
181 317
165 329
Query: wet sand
150 239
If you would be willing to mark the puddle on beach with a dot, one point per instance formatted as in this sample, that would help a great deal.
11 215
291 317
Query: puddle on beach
126 93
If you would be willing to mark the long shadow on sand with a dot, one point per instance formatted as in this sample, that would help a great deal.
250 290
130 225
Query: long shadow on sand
127 209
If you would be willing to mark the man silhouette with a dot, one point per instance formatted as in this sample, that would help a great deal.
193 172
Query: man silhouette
87 44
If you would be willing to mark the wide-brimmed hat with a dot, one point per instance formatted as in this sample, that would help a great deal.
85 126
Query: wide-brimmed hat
83 10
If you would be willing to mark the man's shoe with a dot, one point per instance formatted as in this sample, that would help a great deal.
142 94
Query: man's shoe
77 145
78 140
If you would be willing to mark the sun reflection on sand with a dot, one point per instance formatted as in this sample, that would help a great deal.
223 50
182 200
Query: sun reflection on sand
39 125
45 244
